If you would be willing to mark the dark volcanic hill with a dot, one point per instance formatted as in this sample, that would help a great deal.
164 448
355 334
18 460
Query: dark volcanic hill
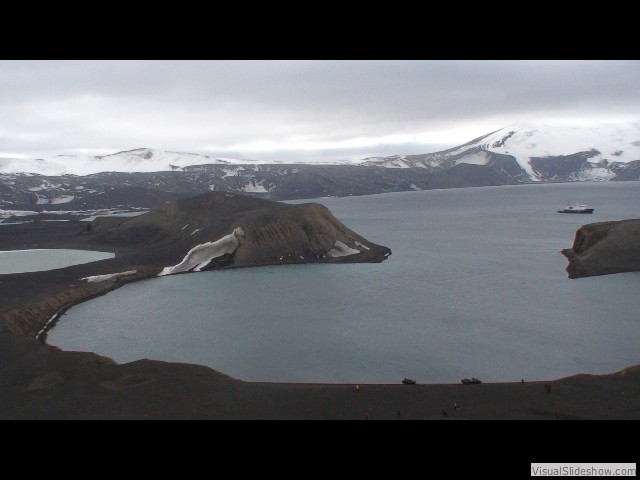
222 229
111 190
604 248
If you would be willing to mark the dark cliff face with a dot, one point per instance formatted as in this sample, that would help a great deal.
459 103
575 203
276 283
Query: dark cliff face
273 232
626 172
561 167
605 248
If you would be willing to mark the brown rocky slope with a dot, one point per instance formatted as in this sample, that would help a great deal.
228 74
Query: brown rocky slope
604 248
272 232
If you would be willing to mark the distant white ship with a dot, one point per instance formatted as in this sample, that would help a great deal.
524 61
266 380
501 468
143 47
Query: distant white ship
576 209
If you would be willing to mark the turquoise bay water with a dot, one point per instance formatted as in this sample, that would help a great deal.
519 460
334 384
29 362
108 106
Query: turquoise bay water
21 261
476 286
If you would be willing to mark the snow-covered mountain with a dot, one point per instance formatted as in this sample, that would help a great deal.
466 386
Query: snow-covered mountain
526 152
539 152
146 178
138 160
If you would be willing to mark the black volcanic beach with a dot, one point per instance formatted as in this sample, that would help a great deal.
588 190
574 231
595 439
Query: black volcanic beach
39 381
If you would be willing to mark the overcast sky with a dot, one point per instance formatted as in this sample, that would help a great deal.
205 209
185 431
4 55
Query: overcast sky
297 110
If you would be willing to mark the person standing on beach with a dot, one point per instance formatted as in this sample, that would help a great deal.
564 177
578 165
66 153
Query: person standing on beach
456 406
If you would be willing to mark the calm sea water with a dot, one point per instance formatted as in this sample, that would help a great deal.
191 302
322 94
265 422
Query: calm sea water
476 286
21 261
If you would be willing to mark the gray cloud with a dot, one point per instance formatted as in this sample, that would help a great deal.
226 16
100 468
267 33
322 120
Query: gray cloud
290 107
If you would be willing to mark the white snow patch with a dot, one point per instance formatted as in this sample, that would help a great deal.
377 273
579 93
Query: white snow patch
413 186
63 212
399 162
254 187
595 174
63 199
231 171
35 189
41 200
479 158
16 213
3 223
394 161
341 250
100 213
44 329
102 278
195 231
363 246
200 255
184 227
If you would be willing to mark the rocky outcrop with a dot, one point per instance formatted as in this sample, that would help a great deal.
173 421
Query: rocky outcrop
304 233
266 233
605 248
626 172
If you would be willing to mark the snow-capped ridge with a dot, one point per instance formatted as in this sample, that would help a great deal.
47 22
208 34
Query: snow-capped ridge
541 151
142 160
521 150
127 161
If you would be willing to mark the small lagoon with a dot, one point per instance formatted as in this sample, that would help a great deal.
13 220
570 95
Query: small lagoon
40 260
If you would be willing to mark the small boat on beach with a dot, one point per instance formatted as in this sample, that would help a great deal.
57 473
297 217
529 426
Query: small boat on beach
408 381
470 381
576 209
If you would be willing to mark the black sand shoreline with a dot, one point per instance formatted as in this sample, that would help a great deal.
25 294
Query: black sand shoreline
40 381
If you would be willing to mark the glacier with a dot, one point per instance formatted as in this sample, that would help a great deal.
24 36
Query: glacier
201 255
342 250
